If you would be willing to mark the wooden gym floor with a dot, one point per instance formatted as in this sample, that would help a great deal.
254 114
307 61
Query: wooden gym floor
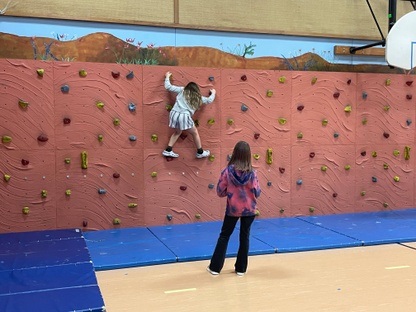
378 278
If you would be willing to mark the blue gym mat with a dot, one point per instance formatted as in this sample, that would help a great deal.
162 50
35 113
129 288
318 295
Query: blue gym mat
188 242
372 228
111 249
47 271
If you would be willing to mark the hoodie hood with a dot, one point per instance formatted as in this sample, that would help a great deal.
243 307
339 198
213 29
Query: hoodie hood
238 177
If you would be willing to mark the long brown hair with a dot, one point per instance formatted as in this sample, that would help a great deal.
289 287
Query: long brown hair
193 95
241 157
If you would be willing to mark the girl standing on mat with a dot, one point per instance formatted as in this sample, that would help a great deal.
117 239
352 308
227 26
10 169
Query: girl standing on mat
239 183
188 100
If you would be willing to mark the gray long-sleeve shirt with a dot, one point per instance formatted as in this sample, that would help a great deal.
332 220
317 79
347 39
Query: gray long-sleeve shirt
181 104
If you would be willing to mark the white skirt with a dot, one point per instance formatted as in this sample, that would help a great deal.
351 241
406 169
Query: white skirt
181 121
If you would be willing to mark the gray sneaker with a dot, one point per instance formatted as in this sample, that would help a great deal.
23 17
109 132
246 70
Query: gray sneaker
204 154
169 154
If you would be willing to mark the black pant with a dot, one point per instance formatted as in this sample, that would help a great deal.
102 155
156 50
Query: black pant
218 258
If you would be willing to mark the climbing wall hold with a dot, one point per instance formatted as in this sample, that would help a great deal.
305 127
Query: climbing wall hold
116 221
396 178
386 135
132 138
256 135
364 95
84 160
68 192
168 107
44 193
282 121
82 73
132 205
66 121
396 153
154 174
299 182
324 168
99 104
116 121
348 109
364 121
311 209
300 107
407 152
100 138
244 107
243 78
183 136
385 166
336 95
211 157
347 167
299 135
282 170
257 213
374 179
314 80
363 153
40 72
211 121
409 96
282 79
115 74
362 193
116 175
65 89
385 205
269 156
25 162
374 154
269 183
169 217
7 177
132 107
409 82
25 210
196 122
211 78
388 82
230 121
43 138
269 93
334 195
408 122
23 104
311 155
130 75
324 122
67 160
211 186
6 139
102 191
349 81
282 210
183 188
336 135
256 156
154 137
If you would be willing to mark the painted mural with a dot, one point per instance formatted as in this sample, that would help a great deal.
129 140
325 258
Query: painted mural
106 48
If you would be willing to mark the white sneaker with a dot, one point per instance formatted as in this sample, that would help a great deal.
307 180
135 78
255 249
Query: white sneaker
239 273
212 272
204 154
169 154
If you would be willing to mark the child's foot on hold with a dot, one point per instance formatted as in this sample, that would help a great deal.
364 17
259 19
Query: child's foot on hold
169 154
205 153
212 272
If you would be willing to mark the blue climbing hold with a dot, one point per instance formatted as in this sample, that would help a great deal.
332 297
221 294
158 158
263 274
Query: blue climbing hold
132 107
244 107
132 138
65 89
130 75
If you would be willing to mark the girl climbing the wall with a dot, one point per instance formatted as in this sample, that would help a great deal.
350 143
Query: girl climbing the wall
239 183
188 101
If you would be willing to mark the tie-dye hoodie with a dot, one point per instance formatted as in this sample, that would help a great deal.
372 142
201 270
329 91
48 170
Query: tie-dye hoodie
241 188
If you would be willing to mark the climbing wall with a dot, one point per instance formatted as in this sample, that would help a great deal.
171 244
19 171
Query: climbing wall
81 144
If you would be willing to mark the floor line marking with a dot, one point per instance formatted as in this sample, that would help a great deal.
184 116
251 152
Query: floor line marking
179 290
397 267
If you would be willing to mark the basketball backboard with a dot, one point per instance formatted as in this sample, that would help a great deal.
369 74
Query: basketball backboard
401 43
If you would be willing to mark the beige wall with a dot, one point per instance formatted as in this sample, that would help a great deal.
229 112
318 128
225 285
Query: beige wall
326 18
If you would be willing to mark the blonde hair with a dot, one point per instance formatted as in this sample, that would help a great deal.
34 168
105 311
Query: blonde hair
192 95
241 157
